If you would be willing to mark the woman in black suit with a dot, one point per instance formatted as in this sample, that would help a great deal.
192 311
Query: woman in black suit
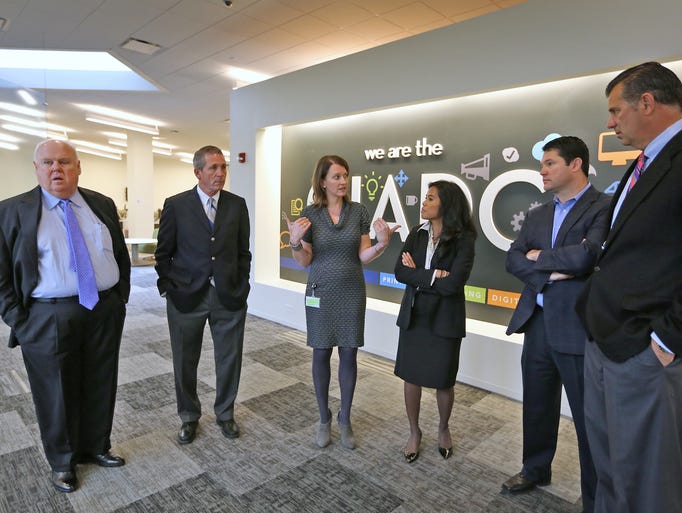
434 264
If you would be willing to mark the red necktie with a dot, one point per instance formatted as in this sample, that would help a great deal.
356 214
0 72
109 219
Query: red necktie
637 172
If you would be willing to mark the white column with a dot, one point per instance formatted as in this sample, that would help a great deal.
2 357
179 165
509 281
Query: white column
140 164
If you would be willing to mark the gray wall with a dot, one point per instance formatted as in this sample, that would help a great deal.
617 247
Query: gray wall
535 42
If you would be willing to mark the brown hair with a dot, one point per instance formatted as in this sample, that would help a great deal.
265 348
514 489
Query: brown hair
320 173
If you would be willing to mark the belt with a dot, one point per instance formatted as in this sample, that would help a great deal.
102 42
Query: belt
70 299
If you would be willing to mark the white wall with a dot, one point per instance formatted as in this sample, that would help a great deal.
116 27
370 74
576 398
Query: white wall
103 175
535 42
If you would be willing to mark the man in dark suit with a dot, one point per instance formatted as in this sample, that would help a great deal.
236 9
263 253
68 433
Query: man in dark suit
203 262
632 306
66 307
553 256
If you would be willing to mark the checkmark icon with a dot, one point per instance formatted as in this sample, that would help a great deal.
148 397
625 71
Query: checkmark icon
510 154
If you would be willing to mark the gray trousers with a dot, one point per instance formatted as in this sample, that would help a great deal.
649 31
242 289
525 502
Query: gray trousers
186 334
633 416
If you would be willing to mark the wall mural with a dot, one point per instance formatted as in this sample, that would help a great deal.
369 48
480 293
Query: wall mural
488 144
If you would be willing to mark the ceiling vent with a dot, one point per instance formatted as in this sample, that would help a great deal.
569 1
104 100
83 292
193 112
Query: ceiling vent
139 46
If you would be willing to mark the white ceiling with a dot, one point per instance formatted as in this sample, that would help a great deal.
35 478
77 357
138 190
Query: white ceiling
201 39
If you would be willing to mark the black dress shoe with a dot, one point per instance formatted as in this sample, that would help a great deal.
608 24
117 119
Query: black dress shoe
520 483
66 482
445 452
229 427
106 459
188 431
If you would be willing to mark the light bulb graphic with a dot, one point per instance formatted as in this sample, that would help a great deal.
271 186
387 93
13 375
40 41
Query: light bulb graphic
372 185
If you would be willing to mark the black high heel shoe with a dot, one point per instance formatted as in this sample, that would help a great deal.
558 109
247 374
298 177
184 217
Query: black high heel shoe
445 452
411 457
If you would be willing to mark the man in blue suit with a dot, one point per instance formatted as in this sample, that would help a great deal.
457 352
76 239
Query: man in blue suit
553 255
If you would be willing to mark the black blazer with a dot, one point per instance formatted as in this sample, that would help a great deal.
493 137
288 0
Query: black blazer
574 252
19 218
448 314
188 252
637 284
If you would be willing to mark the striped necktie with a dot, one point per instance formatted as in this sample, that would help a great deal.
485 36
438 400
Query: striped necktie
80 259
637 172
210 211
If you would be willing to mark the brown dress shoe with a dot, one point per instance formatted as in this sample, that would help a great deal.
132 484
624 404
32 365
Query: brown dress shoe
520 483
66 482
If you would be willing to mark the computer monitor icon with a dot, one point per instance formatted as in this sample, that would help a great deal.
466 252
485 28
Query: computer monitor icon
609 150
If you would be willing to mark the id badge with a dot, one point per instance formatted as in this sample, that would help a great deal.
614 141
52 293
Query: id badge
312 300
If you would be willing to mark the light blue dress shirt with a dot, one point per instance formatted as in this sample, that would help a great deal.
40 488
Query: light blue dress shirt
561 210
55 276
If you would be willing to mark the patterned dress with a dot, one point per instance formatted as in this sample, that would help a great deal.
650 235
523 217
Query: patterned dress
336 277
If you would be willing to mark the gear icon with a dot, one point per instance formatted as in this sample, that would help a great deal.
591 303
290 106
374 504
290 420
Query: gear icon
533 205
517 221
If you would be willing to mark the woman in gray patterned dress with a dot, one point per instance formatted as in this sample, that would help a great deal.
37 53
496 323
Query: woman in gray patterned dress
332 237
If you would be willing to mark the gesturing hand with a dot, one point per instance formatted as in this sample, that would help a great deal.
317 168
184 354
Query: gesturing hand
383 232
297 229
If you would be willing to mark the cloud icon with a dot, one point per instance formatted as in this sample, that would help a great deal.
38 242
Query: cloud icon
537 147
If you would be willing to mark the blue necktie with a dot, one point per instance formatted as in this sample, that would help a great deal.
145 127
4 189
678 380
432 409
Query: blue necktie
80 259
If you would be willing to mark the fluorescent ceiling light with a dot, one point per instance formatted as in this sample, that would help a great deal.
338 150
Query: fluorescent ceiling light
9 146
9 138
184 155
96 146
116 135
119 114
122 124
45 134
187 161
34 124
98 153
19 109
163 145
246 75
27 97
160 151
118 142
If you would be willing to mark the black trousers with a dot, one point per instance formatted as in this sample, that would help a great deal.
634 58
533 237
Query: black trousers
544 370
71 358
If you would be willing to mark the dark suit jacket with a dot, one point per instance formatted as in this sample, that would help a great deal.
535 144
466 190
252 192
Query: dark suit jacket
19 218
575 251
637 285
189 253
448 314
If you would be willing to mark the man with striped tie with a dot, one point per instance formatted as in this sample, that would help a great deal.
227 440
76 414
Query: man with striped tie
632 306
64 282
203 262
